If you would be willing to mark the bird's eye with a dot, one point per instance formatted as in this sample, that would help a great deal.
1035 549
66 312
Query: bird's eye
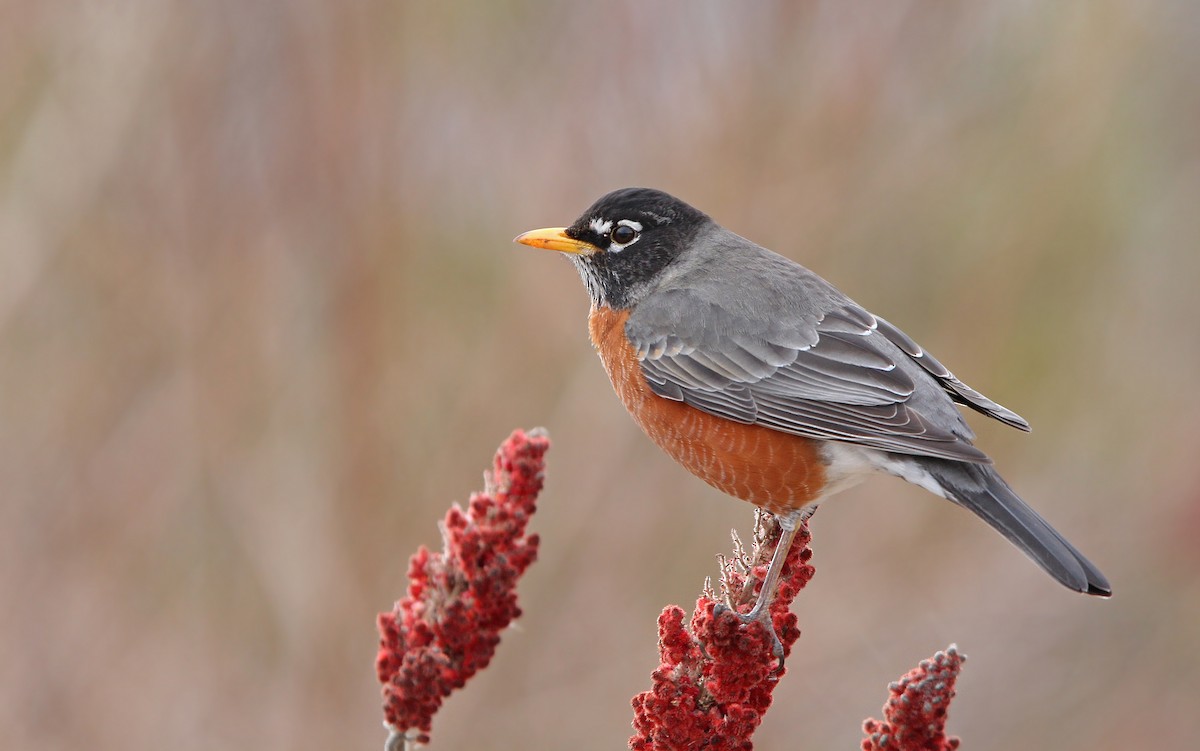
623 234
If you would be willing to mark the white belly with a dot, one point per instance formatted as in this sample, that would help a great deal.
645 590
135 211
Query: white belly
850 464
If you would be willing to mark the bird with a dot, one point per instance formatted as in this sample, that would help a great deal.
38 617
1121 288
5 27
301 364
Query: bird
771 385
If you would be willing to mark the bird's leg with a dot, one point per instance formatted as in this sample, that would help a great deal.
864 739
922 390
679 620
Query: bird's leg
789 524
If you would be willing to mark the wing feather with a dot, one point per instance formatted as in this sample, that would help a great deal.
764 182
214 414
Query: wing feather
958 391
842 376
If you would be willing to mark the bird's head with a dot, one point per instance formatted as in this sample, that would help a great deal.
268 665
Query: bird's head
623 242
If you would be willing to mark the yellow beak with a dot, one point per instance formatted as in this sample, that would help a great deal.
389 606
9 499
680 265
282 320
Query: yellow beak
555 238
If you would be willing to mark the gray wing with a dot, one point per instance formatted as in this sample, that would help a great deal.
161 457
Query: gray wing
956 389
844 375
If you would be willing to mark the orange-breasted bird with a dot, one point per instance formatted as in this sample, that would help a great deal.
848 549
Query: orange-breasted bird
768 383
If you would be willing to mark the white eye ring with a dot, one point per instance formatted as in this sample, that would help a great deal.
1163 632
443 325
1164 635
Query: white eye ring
628 229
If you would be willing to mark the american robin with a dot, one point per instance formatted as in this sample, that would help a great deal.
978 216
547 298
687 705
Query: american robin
769 384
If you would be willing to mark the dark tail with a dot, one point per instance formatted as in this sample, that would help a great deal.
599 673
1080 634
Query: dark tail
979 488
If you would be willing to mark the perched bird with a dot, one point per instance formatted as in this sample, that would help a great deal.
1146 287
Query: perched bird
769 384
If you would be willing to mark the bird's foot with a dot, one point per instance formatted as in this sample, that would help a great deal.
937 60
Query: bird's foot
763 616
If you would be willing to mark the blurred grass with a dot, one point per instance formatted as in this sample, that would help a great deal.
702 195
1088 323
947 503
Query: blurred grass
260 321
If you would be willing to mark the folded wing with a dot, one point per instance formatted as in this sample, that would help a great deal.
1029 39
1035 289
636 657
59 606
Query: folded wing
837 376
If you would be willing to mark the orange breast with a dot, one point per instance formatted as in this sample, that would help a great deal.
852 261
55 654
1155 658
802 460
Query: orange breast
775 470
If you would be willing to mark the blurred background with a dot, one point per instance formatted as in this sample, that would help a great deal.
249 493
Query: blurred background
261 321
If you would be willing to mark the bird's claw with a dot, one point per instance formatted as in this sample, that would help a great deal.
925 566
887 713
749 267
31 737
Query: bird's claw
765 620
